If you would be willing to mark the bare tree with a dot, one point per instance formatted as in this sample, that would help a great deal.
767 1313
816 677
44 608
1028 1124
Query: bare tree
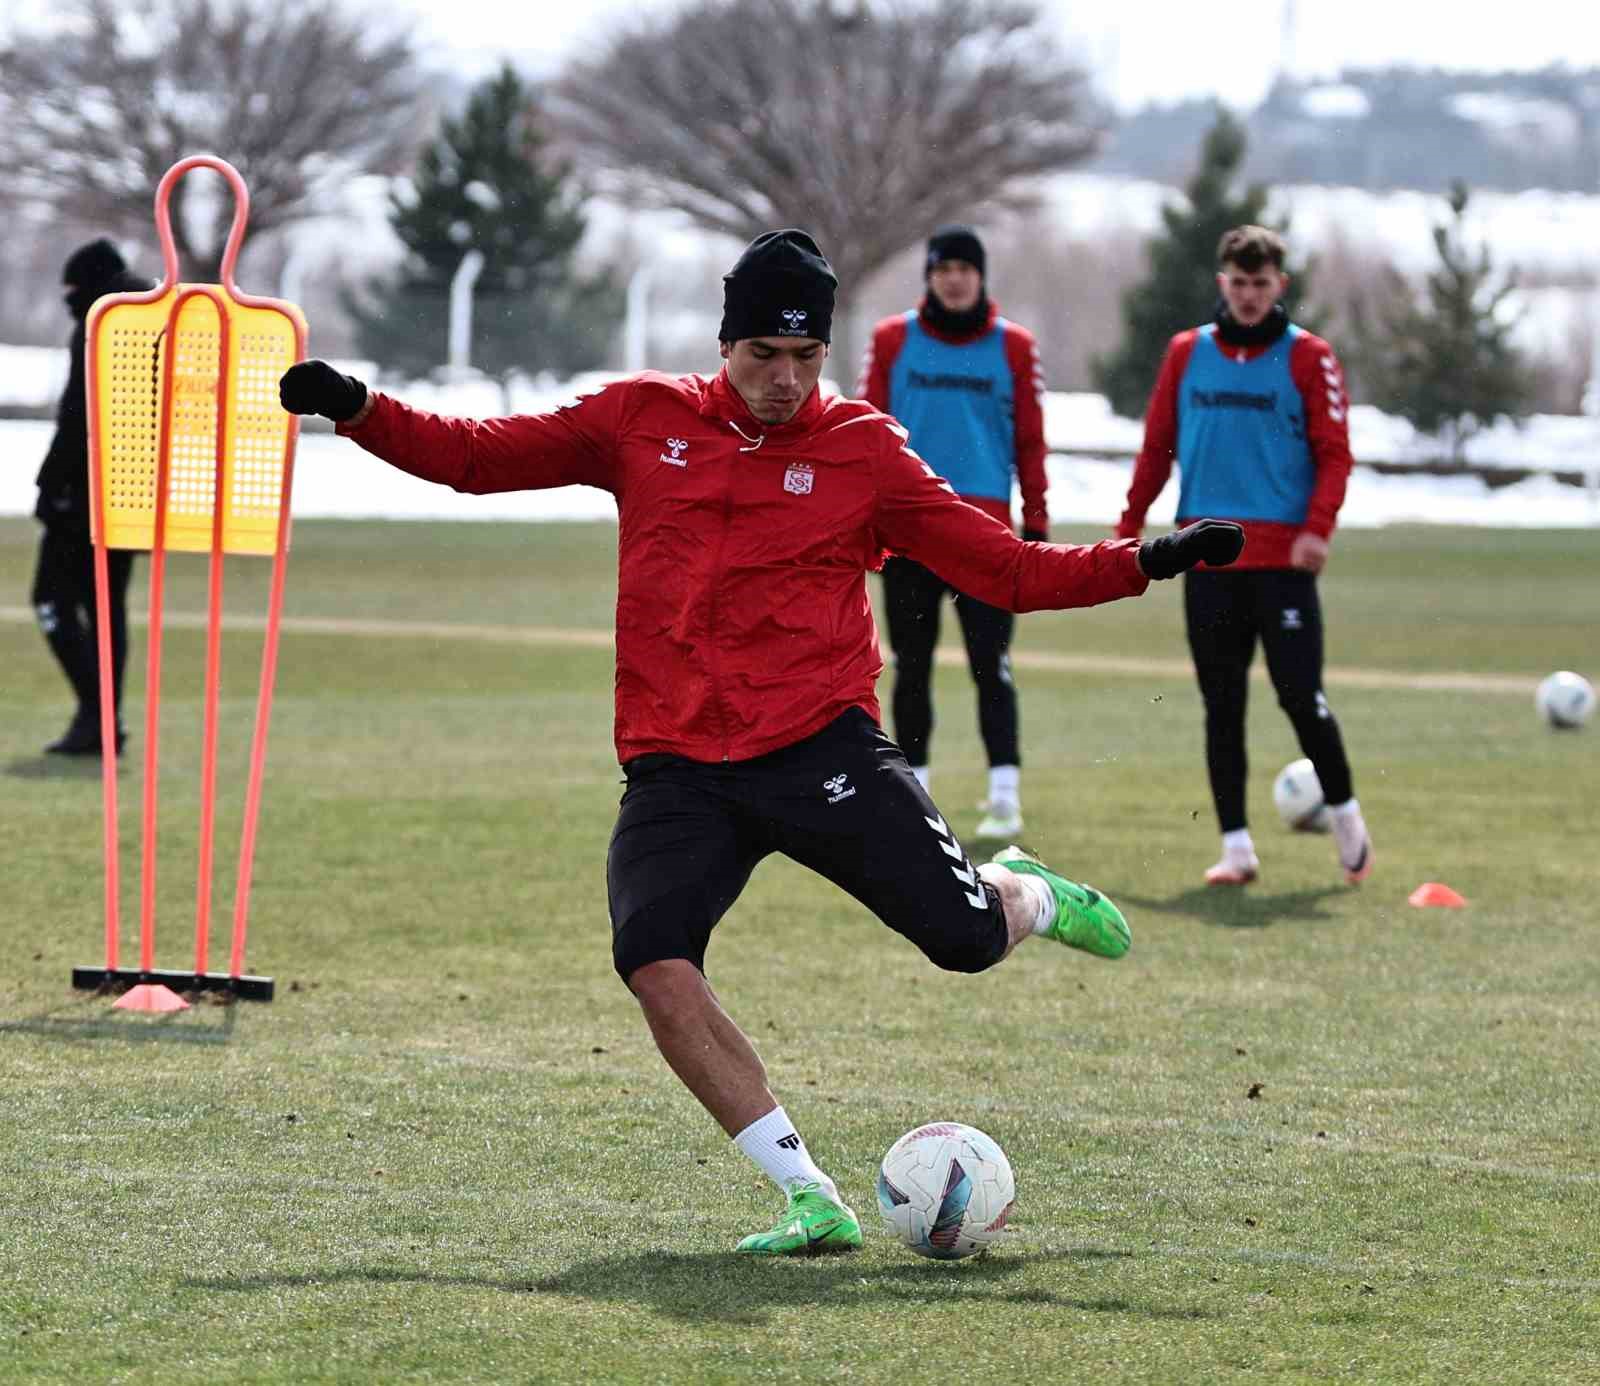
867 123
295 95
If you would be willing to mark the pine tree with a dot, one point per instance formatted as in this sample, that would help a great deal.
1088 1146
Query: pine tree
1445 360
485 183
1180 290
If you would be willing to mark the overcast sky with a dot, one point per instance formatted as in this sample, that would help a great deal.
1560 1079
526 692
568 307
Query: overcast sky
1141 50
1144 50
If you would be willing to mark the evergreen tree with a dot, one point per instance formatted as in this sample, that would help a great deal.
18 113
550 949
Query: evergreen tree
1444 360
485 184
1180 290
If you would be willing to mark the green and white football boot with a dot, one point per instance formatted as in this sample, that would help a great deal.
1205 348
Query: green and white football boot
1084 917
812 1225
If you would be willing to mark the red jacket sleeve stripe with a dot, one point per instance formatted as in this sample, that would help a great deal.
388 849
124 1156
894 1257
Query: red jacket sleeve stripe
882 349
1027 392
1320 380
1153 465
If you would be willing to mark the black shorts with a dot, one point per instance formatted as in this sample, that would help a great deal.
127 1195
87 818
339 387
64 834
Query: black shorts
843 802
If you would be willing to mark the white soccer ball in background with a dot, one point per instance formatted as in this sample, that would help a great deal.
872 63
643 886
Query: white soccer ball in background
1297 795
1565 699
945 1190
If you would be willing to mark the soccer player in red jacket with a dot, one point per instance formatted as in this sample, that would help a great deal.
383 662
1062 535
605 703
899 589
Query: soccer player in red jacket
750 508
1253 410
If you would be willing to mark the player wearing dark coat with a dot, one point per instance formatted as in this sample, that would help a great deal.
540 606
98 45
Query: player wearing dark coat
63 586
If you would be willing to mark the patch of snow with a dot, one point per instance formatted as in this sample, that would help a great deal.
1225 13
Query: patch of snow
335 478
1336 101
1514 119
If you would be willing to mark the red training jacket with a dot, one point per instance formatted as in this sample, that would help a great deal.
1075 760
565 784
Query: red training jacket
743 622
1027 391
1320 380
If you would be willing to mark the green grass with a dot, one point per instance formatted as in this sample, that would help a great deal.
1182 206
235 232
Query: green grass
448 1151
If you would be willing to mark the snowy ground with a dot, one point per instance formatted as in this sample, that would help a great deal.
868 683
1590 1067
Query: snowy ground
335 478
1074 422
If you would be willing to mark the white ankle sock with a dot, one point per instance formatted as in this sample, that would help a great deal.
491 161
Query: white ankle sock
1349 832
1005 786
1238 844
923 775
1044 902
773 1143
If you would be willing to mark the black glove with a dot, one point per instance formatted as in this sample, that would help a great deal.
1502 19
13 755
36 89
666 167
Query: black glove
314 387
1217 542
1035 536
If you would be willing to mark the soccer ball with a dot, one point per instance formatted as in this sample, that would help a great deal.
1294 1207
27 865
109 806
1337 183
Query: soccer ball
1297 795
946 1190
1565 699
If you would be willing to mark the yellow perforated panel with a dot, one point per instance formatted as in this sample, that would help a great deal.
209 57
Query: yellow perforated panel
129 345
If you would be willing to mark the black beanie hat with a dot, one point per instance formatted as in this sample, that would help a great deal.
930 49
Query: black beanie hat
782 286
90 266
954 243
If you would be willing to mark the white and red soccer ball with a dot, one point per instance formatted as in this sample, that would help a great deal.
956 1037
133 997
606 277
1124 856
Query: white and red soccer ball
945 1190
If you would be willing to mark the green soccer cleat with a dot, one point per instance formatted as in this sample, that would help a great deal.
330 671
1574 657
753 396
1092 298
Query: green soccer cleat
1084 917
812 1225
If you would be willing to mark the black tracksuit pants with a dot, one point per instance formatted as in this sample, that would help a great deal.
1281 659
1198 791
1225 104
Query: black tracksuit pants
1226 612
64 605
913 597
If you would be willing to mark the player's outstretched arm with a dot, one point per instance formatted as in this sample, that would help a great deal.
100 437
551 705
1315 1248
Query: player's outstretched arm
573 445
314 387
1213 542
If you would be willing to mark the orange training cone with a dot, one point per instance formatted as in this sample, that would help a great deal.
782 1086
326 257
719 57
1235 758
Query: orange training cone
1435 893
151 996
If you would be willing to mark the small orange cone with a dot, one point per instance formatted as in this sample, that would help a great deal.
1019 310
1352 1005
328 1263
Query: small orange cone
1435 893
151 996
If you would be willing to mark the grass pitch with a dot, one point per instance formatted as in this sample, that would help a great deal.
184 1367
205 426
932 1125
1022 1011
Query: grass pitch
1303 1132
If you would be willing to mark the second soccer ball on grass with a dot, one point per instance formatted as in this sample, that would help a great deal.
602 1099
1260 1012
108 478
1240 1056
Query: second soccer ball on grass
945 1190
1297 795
1565 700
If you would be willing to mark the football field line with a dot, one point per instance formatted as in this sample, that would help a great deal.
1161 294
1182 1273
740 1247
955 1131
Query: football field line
1042 660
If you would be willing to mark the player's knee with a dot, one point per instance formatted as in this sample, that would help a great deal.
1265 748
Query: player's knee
1304 705
674 929
1223 687
992 672
975 948
916 665
665 985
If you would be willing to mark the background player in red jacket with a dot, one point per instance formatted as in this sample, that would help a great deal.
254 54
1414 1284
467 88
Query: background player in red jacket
1253 409
749 511
966 384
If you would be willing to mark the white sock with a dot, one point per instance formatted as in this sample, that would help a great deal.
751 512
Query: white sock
923 775
773 1143
1238 844
1044 902
1005 785
1349 832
